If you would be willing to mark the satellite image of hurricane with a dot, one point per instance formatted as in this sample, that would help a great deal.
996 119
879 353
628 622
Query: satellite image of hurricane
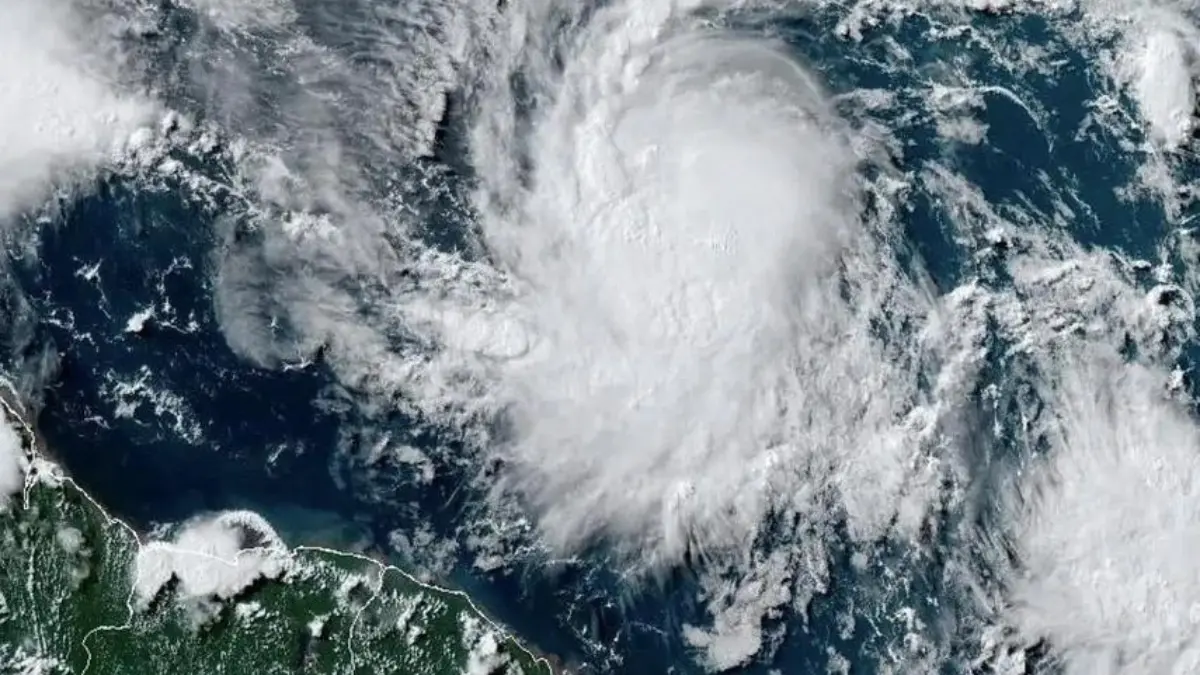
775 337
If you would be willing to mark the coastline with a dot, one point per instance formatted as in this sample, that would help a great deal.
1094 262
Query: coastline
40 466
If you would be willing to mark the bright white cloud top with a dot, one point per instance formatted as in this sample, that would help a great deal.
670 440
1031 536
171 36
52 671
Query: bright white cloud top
60 112
13 462
699 301
212 557
689 316
1108 525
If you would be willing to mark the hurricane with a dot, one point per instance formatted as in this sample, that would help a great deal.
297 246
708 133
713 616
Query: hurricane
753 336
694 292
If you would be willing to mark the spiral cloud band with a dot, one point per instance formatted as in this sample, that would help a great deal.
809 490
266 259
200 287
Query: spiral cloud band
701 302
683 312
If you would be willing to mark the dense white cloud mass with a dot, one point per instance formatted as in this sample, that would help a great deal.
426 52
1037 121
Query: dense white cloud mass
1086 549
1164 87
697 294
1108 524
245 13
13 463
214 556
677 314
59 110
685 319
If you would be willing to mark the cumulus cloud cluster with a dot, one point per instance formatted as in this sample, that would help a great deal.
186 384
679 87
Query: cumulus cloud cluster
1093 503
1108 524
212 558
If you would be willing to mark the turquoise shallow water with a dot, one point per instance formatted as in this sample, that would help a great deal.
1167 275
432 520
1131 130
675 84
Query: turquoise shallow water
289 440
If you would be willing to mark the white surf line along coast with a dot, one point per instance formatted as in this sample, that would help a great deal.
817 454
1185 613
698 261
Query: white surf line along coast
38 466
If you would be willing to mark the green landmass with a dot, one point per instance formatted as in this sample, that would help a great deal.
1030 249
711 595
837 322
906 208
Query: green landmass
69 603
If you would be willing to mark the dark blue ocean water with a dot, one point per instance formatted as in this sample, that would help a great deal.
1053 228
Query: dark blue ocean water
269 438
